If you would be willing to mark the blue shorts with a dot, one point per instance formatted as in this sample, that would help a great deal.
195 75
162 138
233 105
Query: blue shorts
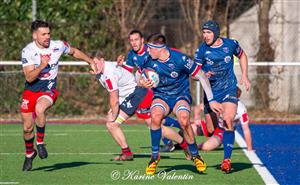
171 101
132 101
226 96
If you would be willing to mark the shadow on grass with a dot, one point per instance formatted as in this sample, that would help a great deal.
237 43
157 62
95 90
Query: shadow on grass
162 156
60 166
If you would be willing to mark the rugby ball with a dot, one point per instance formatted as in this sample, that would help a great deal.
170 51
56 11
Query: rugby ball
151 75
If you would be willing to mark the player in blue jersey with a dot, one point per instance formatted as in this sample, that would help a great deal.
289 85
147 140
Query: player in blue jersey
40 61
173 95
216 56
135 59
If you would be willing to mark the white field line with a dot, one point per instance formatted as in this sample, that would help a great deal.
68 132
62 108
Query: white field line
257 164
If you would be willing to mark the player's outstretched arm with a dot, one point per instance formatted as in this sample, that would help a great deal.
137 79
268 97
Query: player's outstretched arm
215 106
82 56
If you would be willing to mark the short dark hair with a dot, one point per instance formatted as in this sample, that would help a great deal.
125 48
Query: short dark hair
135 31
97 54
157 38
35 25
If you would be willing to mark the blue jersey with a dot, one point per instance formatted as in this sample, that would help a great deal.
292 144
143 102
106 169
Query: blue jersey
135 59
219 60
173 74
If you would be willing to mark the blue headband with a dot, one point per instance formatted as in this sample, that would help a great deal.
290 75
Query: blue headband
156 46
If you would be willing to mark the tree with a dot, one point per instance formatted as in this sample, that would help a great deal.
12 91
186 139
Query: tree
265 53
132 14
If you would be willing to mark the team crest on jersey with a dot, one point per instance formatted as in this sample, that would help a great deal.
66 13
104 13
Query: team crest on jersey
184 57
226 49
227 59
172 66
134 58
174 74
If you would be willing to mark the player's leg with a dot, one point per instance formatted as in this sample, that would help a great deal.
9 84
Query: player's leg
118 135
247 135
182 112
159 110
43 103
168 144
28 135
212 143
27 111
228 136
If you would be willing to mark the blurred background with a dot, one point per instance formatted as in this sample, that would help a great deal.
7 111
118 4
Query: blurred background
268 31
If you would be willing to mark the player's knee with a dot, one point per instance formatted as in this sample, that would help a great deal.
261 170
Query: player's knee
111 126
184 120
228 123
27 131
39 111
156 119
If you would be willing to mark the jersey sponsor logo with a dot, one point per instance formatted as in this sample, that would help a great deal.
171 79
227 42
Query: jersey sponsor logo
189 63
55 49
50 85
174 74
25 103
143 111
238 49
208 61
24 61
226 49
207 52
227 59
172 66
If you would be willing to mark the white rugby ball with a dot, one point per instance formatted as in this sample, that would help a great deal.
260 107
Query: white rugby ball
151 75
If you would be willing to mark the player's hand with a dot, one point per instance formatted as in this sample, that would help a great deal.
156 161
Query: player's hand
44 60
216 107
120 60
245 81
94 68
146 83
209 74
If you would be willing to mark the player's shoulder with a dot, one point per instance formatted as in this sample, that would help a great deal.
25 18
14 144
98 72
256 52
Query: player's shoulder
29 47
230 41
58 43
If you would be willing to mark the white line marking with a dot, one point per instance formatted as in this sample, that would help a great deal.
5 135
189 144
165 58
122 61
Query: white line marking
257 164
9 182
